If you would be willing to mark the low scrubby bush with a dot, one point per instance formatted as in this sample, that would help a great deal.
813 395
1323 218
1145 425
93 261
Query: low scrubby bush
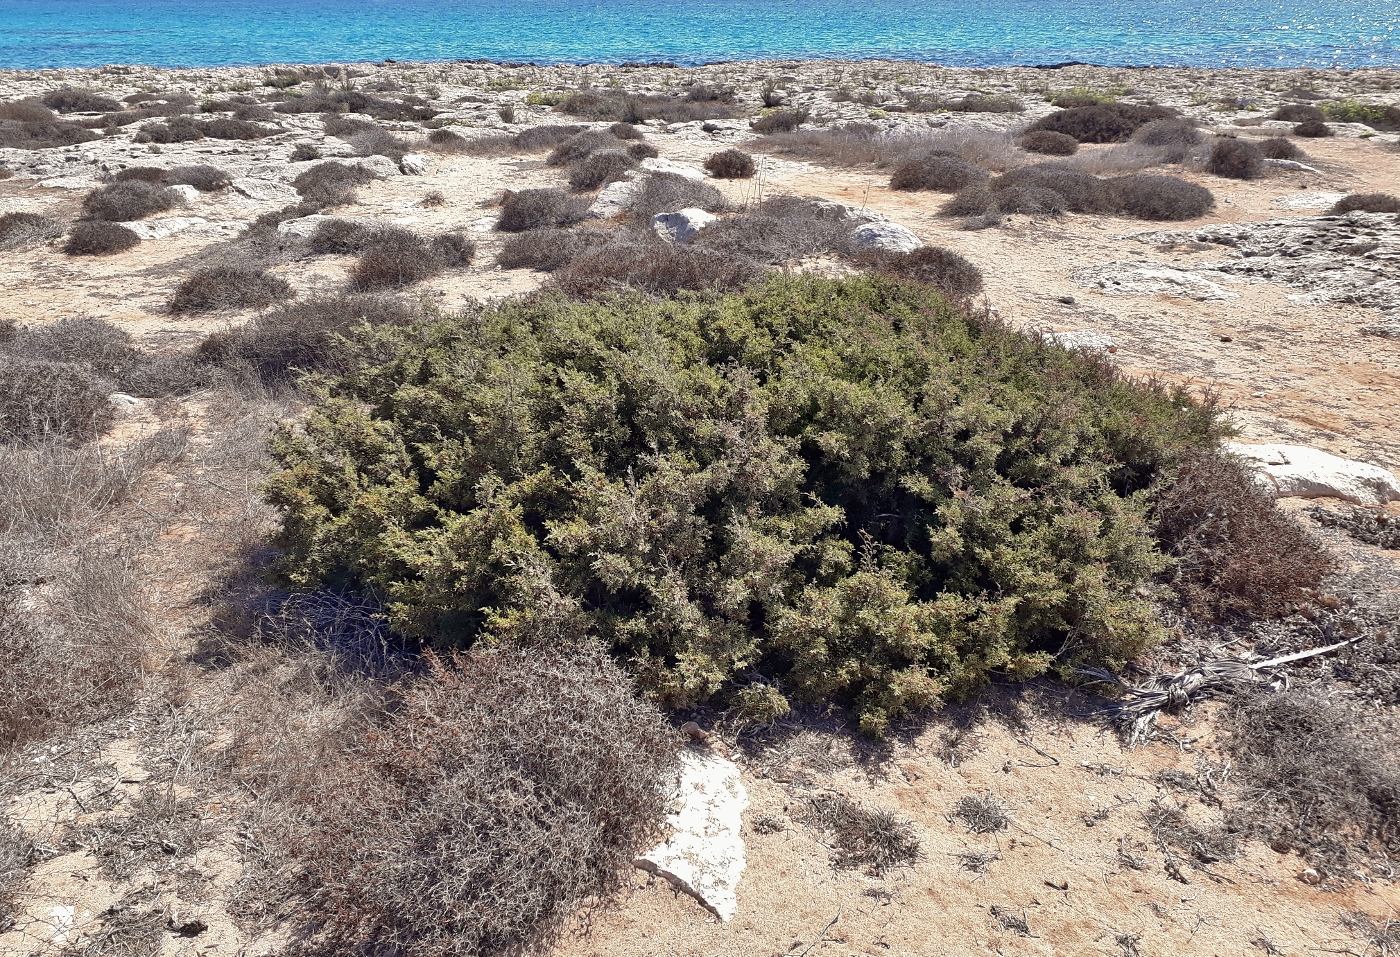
1049 143
99 238
43 134
179 129
73 100
330 184
629 108
306 336
641 151
581 145
1312 129
215 288
945 174
1083 192
780 121
1235 159
1102 122
339 236
1276 147
123 202
535 208
600 168
730 164
25 229
654 267
948 272
1367 203
1236 553
849 486
42 399
1314 776
781 229
1177 134
304 153
625 131
1297 113
510 791
1159 198
545 137
1024 200
548 249
230 128
1379 116
393 257
668 192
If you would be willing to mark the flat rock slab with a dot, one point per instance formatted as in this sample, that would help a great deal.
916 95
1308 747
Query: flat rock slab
615 199
703 853
1298 471
1324 199
266 191
1351 258
161 228
1131 279
656 164
683 225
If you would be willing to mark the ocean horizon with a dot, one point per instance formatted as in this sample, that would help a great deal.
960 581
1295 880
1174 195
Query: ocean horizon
178 33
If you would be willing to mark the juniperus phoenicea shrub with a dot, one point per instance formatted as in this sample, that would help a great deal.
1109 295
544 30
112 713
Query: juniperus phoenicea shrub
825 489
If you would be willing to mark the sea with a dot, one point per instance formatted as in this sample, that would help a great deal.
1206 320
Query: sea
1206 33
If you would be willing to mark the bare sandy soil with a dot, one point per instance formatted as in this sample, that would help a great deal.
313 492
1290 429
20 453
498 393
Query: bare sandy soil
1078 868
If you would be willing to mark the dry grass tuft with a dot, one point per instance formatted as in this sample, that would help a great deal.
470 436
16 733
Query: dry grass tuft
875 839
981 813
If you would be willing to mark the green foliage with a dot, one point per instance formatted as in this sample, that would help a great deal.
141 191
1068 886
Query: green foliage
847 488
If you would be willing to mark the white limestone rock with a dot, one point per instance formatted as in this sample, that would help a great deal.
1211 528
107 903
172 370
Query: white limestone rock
1298 471
265 191
890 237
656 164
683 225
704 852
1130 279
161 228
615 199
414 164
303 226
380 166
1324 199
187 194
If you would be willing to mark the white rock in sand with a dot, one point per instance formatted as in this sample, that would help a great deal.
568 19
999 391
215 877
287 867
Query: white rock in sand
703 854
302 226
890 237
414 164
265 191
614 199
1132 280
1324 199
656 164
1297 471
160 228
188 194
683 225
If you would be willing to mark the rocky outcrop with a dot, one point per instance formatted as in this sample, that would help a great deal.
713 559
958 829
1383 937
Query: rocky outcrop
886 237
683 225
614 199
1132 279
703 853
413 164
1297 471
1353 258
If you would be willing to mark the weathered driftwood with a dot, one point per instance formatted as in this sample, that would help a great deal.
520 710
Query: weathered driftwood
1138 705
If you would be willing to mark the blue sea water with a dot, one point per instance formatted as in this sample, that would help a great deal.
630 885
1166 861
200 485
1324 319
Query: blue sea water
1245 33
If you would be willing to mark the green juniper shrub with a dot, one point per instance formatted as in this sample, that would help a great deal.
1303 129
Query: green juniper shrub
1367 203
1277 147
229 287
1383 117
946 174
1101 122
947 271
1235 159
98 238
849 485
1156 197
1048 143
730 164
1312 129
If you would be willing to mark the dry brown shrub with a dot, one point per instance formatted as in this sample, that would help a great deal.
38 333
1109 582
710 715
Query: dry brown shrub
1049 143
1236 553
509 789
1235 159
951 273
669 192
18 230
535 208
42 399
1367 203
98 238
229 287
1315 776
654 267
125 201
600 168
731 164
548 249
